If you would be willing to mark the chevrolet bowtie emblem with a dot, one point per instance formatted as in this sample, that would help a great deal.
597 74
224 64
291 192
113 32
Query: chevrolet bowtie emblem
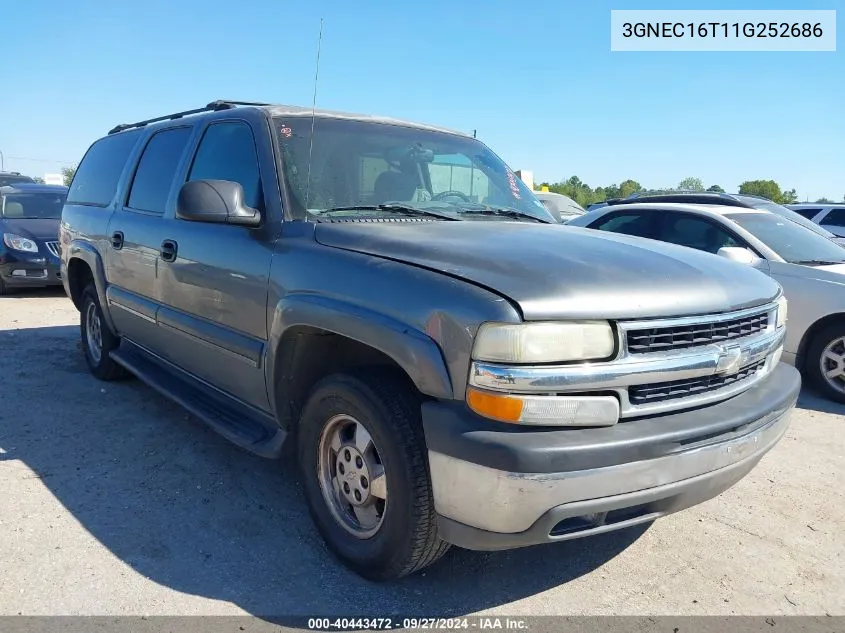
730 359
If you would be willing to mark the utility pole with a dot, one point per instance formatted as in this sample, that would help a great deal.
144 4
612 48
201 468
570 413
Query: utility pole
2 162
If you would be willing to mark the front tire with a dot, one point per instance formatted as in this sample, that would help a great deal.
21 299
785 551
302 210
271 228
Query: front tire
97 339
825 364
364 467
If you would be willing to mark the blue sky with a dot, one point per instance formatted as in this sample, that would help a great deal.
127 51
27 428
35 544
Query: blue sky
536 79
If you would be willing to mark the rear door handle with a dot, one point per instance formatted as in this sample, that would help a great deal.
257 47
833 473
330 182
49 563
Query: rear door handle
117 240
168 250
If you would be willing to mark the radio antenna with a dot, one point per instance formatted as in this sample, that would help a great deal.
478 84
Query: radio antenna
313 115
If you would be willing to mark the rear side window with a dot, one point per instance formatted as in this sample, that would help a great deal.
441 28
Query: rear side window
157 169
227 152
807 213
635 224
95 182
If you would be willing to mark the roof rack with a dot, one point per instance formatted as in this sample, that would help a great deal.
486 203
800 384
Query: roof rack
220 104
699 197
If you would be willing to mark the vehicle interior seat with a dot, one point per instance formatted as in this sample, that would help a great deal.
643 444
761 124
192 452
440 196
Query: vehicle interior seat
13 210
393 185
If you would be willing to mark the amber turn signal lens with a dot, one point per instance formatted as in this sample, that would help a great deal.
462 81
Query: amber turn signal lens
496 406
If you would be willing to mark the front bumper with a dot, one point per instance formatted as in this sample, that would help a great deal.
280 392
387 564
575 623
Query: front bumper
497 487
29 270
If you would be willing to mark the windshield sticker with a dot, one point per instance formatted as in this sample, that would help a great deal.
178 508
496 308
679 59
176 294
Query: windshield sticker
286 131
514 187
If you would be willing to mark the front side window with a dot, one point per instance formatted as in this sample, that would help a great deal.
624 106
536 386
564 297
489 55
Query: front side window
33 205
790 241
227 152
807 213
694 232
157 169
353 164
835 217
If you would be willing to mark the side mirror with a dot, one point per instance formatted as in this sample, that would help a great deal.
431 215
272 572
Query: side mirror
739 255
216 201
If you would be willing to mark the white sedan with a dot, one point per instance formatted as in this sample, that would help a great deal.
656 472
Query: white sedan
810 267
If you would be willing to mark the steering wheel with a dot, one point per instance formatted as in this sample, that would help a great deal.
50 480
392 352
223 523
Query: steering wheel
449 194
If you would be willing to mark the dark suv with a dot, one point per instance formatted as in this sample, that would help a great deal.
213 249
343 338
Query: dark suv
451 365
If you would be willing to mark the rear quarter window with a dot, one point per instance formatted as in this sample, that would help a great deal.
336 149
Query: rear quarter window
95 182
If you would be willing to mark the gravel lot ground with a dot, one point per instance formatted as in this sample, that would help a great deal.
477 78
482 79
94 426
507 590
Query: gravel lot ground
115 501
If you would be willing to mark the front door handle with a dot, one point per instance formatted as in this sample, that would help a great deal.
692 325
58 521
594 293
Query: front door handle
168 250
117 240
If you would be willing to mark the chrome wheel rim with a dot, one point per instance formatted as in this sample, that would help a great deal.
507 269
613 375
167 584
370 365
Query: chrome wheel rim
352 476
832 363
93 332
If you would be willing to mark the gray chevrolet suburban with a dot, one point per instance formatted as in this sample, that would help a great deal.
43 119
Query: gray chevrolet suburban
451 366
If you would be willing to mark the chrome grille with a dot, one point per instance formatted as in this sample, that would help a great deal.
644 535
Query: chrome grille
660 339
54 248
660 392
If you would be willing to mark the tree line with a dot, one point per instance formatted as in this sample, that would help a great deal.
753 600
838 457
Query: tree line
585 195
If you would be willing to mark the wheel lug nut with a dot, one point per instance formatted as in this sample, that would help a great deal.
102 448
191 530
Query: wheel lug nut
364 483
359 462
357 495
347 455
346 487
341 469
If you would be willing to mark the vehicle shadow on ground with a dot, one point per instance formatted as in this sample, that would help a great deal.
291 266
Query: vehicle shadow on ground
190 511
812 400
34 293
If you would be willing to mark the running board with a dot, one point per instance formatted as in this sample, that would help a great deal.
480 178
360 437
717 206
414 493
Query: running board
239 423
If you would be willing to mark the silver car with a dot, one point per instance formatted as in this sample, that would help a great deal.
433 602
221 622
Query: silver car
810 267
830 216
561 206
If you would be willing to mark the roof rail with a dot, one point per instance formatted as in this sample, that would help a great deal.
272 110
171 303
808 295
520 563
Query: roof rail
683 197
220 104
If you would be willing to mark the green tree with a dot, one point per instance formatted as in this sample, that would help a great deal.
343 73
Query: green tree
38 179
768 189
627 187
715 188
691 184
68 173
824 201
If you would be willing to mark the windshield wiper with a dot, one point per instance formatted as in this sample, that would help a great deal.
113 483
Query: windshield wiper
390 207
509 212
817 262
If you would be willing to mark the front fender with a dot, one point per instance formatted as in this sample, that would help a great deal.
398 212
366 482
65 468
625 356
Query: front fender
86 252
415 352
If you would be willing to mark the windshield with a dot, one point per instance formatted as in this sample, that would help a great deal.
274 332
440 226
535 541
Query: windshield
33 205
784 212
361 163
791 242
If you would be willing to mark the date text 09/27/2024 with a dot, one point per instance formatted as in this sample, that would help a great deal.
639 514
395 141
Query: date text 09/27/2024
429 624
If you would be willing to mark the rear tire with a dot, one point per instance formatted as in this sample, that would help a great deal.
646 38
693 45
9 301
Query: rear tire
825 363
3 288
97 339
373 506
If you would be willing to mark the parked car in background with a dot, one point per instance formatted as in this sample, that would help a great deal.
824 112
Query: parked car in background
810 267
29 222
830 216
454 366
13 178
730 199
560 206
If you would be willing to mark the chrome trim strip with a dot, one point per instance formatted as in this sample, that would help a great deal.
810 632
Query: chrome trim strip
697 320
637 369
115 304
506 502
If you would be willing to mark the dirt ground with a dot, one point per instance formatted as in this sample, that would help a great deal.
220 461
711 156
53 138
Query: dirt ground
115 501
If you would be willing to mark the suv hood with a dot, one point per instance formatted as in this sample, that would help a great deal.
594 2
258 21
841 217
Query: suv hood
558 271
32 228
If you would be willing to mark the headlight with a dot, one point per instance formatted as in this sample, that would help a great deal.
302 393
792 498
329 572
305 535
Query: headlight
781 319
18 243
546 342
